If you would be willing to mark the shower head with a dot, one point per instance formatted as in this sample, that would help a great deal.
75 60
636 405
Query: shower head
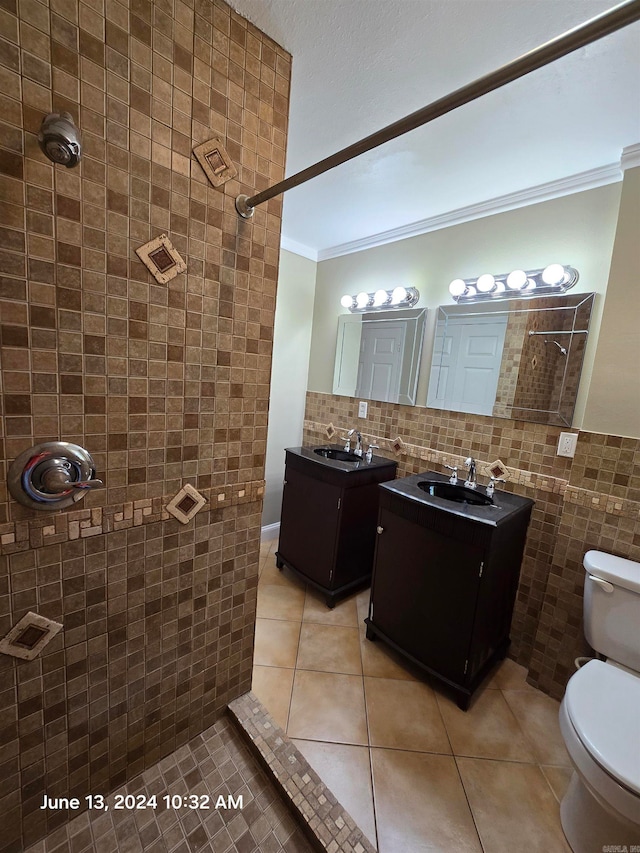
561 348
59 139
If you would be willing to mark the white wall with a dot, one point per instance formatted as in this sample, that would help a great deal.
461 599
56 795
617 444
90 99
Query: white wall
578 229
613 404
289 369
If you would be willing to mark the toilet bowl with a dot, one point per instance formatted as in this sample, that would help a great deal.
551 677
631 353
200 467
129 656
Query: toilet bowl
600 723
600 715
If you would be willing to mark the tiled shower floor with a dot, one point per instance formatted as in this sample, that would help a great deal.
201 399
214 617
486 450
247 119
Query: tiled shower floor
215 763
415 772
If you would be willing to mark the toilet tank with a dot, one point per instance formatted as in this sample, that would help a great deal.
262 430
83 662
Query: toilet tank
612 607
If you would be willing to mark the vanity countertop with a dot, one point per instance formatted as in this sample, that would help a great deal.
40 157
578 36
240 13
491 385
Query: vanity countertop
504 505
356 463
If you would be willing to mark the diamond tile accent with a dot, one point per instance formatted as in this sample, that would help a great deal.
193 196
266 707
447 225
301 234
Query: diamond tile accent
187 503
215 161
497 469
29 636
163 261
398 446
330 431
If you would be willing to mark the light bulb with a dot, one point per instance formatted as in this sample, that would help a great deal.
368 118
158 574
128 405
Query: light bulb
499 288
517 279
485 283
399 295
470 291
346 301
362 299
553 274
457 287
380 297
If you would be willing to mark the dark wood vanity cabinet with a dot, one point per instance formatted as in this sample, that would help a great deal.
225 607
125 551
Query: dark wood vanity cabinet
328 520
444 582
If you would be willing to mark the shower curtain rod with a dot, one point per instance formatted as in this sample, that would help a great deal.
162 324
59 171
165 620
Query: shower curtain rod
580 36
561 332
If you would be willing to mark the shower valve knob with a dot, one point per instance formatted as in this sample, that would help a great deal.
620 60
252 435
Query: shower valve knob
52 476
57 479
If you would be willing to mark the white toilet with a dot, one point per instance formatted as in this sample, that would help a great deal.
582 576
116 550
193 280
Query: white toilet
600 714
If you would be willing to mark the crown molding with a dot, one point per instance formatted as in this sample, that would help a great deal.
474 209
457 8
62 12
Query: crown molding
298 248
533 195
630 157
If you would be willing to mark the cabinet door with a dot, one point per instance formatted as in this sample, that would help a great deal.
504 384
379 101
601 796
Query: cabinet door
424 593
309 524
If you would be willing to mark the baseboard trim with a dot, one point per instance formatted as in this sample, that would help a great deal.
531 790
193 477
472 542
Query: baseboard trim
269 531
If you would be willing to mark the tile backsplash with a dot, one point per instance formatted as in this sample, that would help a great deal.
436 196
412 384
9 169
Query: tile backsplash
590 501
163 383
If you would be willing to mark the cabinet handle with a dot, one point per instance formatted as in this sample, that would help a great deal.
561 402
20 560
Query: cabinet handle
284 482
380 529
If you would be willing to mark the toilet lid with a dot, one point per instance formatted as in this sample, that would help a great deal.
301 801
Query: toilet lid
603 703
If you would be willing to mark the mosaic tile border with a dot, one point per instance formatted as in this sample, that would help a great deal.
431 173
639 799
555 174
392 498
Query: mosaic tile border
80 524
330 828
554 485
610 504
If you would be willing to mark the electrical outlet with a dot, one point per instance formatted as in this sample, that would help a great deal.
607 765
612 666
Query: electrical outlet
567 444
362 409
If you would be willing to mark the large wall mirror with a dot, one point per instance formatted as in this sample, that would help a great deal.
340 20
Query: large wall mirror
520 358
378 355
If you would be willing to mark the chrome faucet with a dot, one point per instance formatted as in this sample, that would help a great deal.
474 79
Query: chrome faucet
491 485
357 450
369 454
347 440
454 475
470 465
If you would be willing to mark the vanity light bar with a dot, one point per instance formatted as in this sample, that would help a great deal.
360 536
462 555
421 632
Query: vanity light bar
554 278
381 300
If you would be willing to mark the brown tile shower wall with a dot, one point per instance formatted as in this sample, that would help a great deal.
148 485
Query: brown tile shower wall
163 384
591 501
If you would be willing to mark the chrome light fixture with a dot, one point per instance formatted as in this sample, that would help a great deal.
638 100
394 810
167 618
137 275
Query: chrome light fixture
381 300
554 278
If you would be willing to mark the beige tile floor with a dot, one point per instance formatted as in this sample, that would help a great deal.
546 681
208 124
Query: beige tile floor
415 772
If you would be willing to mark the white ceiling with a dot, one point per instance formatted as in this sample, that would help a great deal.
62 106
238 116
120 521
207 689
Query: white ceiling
359 65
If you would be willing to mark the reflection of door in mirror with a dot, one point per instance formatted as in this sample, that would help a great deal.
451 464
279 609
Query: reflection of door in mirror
378 355
542 341
380 363
466 364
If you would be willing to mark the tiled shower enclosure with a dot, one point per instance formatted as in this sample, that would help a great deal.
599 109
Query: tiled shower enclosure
163 383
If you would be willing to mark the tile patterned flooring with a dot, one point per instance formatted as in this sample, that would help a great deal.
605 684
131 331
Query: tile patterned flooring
415 772
217 763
